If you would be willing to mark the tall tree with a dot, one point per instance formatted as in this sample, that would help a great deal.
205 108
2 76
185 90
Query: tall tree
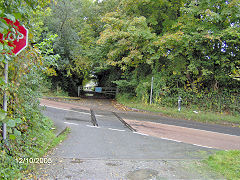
203 44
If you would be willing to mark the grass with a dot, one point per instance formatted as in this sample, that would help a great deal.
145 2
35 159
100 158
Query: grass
185 113
35 143
59 139
33 169
226 163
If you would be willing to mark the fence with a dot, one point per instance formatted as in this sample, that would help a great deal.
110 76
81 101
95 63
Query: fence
94 90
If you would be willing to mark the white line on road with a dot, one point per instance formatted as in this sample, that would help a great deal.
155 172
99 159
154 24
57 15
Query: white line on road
92 126
99 115
171 139
66 109
203 146
71 123
182 142
141 134
116 129
71 110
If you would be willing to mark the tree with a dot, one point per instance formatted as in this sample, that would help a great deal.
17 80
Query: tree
203 44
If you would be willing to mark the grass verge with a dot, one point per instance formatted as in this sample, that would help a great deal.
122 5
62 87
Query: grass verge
185 113
226 163
15 155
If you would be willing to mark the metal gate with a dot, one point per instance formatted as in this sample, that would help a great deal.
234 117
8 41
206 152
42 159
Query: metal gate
109 91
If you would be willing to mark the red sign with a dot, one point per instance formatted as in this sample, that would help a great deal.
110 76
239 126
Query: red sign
17 37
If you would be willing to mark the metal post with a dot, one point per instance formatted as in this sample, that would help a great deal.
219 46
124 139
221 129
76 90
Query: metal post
5 99
151 90
78 91
179 103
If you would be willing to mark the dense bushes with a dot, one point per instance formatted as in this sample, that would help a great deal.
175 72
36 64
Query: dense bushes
28 131
30 144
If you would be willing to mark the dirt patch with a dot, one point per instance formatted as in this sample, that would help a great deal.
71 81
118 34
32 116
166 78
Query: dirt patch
142 174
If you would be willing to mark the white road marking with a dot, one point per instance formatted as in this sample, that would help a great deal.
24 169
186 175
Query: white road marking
66 109
99 115
71 110
203 146
141 134
171 139
116 129
92 126
182 142
71 123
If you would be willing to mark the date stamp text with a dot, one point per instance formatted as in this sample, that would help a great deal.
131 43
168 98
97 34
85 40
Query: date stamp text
34 160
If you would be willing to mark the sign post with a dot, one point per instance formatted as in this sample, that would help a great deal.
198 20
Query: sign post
17 38
5 99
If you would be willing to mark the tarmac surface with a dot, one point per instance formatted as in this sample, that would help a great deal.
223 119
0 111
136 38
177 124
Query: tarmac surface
113 151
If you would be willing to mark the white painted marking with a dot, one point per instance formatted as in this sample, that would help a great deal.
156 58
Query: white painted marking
203 146
66 109
171 139
141 134
116 129
99 115
92 126
182 142
71 123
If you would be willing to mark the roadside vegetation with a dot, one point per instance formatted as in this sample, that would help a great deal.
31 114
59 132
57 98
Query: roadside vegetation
30 135
226 163
20 155
189 113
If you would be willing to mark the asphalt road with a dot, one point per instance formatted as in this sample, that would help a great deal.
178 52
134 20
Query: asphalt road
179 122
112 140
112 151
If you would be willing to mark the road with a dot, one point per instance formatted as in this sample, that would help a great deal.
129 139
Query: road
157 150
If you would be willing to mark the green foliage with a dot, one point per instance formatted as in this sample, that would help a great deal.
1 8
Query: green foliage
24 120
28 132
127 40
46 51
190 48
31 144
203 45
186 112
72 67
226 163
